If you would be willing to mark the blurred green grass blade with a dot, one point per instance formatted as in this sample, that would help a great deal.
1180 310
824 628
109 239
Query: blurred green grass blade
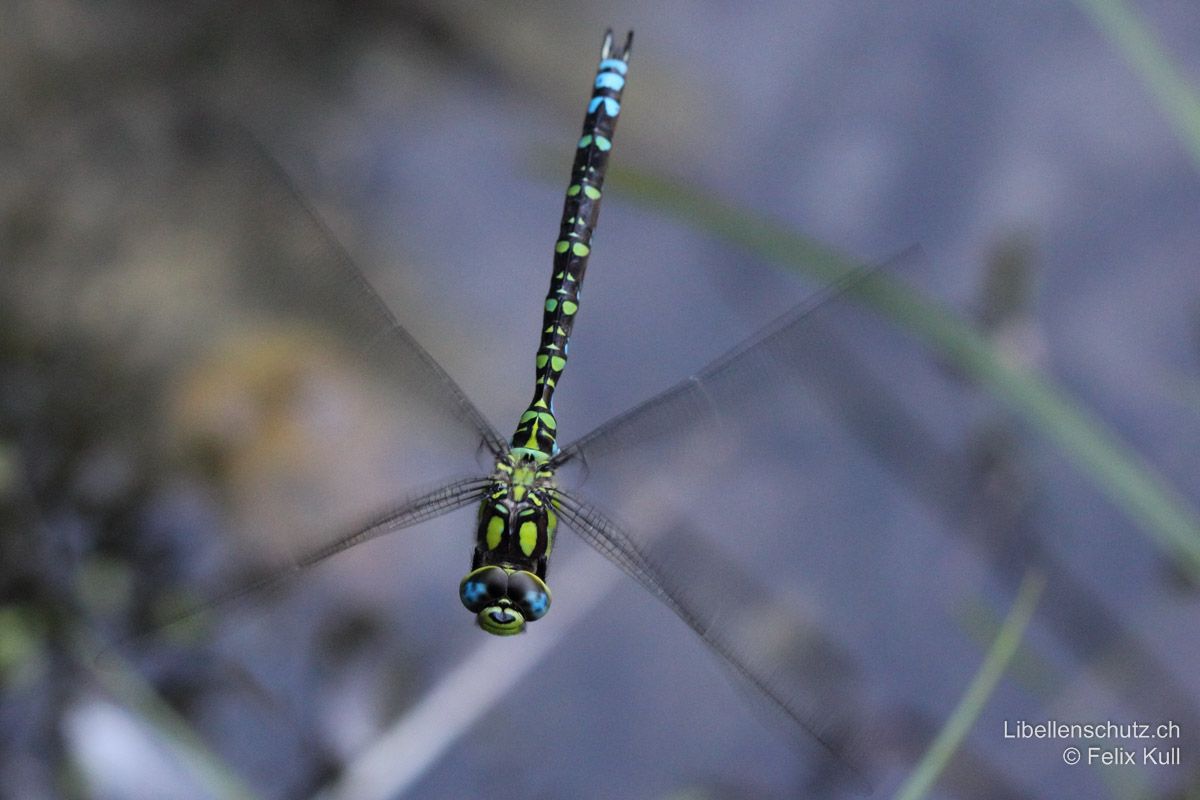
1029 669
129 688
1139 48
1032 671
1120 473
969 707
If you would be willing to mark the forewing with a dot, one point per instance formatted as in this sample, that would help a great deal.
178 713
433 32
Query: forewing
721 387
283 401
321 280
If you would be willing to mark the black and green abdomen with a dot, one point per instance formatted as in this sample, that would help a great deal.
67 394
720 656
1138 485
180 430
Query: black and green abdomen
537 429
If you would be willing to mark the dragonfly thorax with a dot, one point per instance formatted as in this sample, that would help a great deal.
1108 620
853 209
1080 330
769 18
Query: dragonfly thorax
514 535
517 518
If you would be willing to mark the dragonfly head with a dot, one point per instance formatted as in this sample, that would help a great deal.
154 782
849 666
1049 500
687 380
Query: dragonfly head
504 600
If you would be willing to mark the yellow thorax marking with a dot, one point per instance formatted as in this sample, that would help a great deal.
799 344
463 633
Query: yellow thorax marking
523 476
495 531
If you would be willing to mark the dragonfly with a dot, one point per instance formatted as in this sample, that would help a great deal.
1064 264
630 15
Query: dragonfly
520 502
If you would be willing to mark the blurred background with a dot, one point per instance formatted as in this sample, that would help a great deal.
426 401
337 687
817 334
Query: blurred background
184 399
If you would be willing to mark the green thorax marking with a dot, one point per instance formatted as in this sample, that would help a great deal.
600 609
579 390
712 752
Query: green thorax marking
517 517
537 430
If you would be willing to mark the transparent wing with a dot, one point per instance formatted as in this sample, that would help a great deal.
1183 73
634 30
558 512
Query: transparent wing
418 509
324 281
722 385
288 399
729 613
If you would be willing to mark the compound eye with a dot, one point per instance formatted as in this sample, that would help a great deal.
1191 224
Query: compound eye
529 594
482 588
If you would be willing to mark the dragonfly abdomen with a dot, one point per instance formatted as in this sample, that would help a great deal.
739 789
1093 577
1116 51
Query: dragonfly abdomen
537 430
